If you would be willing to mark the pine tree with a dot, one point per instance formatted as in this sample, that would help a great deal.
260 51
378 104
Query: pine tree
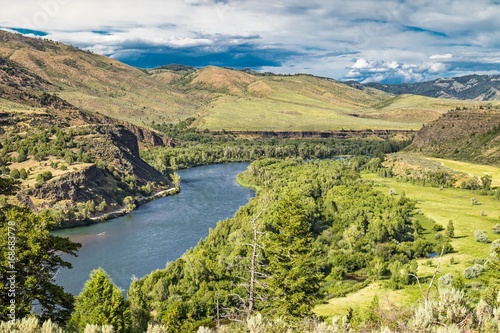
450 229
101 303
32 257
293 268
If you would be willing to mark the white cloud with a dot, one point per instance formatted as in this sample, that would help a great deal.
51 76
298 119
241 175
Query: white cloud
406 40
441 56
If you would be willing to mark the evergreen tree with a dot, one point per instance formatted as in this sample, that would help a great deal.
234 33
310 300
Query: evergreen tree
293 261
32 257
101 303
450 229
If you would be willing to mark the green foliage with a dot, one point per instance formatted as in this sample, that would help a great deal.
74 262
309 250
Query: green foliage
129 203
101 303
8 185
320 223
14 173
34 248
197 148
471 184
402 274
292 258
450 229
44 176
23 174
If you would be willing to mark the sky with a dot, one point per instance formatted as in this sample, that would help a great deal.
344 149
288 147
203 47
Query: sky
388 41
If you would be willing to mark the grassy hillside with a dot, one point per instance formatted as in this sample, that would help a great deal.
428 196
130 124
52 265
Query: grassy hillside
96 83
218 98
305 103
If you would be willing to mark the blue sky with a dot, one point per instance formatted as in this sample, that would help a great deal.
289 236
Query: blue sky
387 41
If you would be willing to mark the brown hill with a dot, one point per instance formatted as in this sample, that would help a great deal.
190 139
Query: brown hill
469 135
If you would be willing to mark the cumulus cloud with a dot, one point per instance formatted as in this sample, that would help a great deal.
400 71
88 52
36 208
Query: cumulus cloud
393 72
390 39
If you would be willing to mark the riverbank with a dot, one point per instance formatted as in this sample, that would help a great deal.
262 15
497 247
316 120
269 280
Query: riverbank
118 212
158 231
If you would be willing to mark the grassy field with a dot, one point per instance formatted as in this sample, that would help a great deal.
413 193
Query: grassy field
441 206
472 169
241 113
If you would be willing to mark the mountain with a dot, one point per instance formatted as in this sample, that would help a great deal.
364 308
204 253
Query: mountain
78 163
218 98
469 87
468 135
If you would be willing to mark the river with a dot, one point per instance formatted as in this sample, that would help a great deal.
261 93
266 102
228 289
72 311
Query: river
157 232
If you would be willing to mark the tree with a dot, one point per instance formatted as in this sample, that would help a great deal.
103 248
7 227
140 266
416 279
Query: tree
129 202
37 254
450 229
486 181
14 173
23 174
100 303
293 261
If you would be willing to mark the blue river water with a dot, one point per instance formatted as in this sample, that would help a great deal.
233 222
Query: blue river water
157 232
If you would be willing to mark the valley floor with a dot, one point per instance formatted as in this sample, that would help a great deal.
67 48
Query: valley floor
441 206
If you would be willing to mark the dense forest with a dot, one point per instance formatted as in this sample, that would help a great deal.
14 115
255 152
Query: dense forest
194 147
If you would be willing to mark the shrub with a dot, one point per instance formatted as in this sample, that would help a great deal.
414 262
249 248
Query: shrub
44 176
473 271
14 173
473 201
437 227
450 229
496 228
23 174
445 281
481 237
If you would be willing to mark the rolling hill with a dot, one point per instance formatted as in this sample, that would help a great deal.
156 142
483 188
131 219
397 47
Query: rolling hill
218 98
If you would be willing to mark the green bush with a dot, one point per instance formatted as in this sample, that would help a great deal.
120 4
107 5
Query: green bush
43 177
14 173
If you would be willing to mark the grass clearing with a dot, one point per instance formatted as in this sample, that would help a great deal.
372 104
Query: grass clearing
362 299
477 170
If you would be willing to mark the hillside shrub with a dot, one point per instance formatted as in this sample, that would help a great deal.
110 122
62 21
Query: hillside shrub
481 237
473 271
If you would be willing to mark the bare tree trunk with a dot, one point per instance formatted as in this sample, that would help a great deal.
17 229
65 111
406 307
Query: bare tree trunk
251 296
253 264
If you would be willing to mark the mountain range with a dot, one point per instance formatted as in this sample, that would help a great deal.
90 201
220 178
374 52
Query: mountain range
469 87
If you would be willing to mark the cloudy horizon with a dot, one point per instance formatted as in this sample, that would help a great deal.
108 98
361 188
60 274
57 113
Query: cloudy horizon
388 41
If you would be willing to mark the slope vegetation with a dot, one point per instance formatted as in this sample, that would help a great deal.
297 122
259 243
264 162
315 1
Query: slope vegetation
468 135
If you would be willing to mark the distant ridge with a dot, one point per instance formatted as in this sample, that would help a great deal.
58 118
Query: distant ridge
469 87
